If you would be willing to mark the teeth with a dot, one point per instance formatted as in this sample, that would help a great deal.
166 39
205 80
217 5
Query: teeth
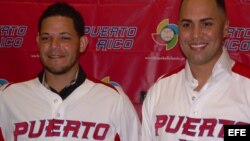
54 56
198 46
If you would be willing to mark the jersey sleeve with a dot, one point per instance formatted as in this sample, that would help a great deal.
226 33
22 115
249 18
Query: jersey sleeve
130 126
1 135
4 86
148 129
1 88
1 120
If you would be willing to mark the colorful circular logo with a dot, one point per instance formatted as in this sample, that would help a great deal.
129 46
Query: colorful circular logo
166 34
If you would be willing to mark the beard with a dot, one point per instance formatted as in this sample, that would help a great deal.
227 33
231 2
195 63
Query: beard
61 70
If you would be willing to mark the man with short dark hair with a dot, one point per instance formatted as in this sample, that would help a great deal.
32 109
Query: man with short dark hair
63 103
193 102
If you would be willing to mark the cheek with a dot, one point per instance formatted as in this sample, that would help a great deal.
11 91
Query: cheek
214 32
185 33
211 33
73 50
43 49
184 36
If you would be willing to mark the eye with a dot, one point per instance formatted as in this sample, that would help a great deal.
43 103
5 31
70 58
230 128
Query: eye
65 37
186 25
207 24
45 38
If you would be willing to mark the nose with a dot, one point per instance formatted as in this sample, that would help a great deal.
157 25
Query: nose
54 43
197 32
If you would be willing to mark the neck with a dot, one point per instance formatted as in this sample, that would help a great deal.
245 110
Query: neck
202 72
60 81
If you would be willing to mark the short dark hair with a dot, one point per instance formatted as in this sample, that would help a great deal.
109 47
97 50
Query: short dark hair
220 3
66 10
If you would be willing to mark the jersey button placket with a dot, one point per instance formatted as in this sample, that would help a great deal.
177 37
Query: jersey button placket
195 113
55 101
58 115
57 104
193 98
194 109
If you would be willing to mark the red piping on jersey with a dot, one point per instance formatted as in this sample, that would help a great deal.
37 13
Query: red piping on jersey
7 85
173 71
117 138
1 135
99 81
241 69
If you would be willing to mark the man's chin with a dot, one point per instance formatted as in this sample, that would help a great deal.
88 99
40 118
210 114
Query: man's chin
57 71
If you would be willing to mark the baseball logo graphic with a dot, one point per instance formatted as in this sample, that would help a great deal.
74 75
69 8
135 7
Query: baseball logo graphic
166 34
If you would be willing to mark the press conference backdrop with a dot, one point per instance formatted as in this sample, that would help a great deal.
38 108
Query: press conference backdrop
132 42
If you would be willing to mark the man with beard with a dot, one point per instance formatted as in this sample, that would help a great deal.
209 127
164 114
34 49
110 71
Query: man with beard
62 103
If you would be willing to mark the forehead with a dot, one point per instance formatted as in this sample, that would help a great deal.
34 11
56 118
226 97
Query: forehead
57 24
199 9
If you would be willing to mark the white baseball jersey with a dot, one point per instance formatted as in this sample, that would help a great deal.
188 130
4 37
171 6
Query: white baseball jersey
93 111
173 111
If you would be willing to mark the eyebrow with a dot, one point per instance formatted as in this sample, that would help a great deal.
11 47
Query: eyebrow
206 19
202 20
43 33
63 33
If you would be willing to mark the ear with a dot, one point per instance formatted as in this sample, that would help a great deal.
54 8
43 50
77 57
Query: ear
83 43
226 27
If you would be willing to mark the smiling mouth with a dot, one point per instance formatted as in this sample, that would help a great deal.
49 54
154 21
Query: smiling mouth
55 56
198 45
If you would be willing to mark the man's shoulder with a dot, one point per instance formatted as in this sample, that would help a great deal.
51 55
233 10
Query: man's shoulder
172 72
17 85
102 86
3 87
172 77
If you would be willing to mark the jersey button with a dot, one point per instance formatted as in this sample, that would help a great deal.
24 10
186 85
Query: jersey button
193 98
55 100
58 115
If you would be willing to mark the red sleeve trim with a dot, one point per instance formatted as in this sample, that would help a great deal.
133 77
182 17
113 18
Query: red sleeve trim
241 69
174 71
1 135
99 81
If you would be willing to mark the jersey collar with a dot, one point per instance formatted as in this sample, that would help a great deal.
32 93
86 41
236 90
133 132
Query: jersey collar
222 67
66 91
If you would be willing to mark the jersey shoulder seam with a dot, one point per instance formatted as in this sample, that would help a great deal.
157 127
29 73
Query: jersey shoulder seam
5 86
103 83
173 71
